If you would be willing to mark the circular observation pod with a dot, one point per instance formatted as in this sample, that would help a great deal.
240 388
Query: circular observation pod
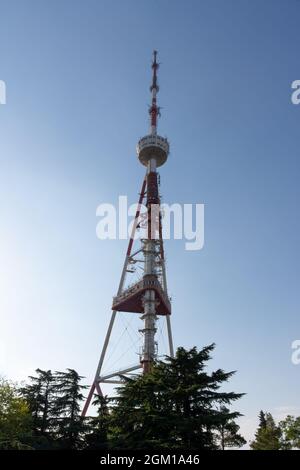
152 146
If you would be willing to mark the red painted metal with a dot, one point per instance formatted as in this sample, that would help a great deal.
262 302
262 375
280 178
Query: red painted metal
147 365
152 198
162 252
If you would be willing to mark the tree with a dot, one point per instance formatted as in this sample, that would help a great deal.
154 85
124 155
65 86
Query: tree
15 419
267 436
39 396
66 408
176 405
290 433
262 420
97 428
228 431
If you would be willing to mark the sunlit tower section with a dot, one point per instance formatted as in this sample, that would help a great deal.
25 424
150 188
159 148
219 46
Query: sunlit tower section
148 296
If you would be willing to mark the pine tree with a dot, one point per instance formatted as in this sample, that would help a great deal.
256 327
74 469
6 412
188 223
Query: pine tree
228 432
66 409
267 436
39 395
97 427
177 405
262 420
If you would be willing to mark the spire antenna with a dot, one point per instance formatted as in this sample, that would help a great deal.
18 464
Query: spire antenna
154 110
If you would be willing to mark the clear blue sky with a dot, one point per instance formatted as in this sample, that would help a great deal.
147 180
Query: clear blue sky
77 76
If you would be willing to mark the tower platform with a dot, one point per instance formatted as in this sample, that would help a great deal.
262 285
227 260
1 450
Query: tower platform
131 299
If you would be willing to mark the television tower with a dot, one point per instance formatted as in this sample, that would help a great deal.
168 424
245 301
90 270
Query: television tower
149 295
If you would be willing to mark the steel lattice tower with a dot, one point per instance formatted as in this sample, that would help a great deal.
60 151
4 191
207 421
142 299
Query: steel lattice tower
149 295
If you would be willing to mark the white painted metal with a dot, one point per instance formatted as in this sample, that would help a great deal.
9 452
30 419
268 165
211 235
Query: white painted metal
149 316
119 372
170 338
111 323
113 316
168 319
114 382
152 146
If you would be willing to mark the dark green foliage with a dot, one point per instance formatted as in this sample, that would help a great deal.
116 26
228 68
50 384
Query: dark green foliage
228 431
66 409
262 420
176 406
39 395
54 401
97 428
268 434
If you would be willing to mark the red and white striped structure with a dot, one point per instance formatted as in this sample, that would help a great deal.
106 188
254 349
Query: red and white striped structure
149 295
